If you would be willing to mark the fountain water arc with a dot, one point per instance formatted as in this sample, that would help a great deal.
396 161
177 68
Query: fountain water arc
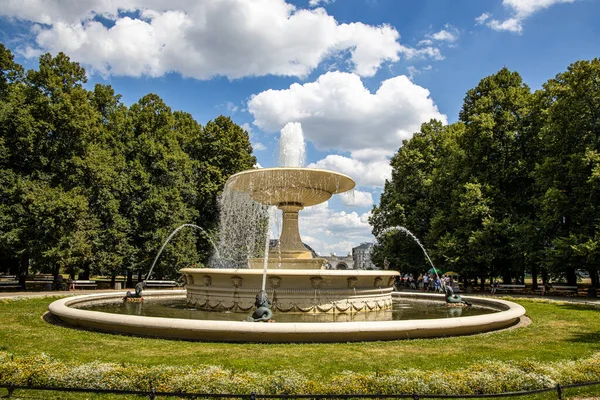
171 237
417 241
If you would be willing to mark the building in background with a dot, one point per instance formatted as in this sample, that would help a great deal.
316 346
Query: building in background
362 256
340 262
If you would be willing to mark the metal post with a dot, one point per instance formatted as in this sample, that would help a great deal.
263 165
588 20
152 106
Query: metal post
253 396
415 396
152 394
11 389
559 391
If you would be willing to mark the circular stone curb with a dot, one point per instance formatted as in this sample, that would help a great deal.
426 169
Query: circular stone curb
283 332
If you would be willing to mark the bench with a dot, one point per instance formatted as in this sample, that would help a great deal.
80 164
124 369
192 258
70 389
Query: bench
161 284
83 284
511 288
6 283
564 289
42 279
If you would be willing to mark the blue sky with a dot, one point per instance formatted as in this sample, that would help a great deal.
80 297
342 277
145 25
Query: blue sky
358 75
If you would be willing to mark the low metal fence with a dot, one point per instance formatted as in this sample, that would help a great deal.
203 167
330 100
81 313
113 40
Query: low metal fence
153 394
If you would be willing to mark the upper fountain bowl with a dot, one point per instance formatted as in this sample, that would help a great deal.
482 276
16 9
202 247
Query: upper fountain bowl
278 186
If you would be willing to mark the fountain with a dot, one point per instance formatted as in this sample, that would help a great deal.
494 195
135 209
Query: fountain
298 284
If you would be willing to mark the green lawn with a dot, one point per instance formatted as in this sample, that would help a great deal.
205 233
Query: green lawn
560 332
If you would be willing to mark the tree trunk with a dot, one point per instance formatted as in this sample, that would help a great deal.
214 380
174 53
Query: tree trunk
571 277
534 277
23 269
129 282
593 271
85 274
544 276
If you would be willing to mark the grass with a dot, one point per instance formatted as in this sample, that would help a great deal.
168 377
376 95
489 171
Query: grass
559 332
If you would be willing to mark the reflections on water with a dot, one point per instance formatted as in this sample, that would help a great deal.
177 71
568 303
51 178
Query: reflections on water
402 309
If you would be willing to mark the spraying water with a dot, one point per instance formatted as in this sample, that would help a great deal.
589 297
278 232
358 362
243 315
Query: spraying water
171 236
242 229
292 150
266 259
411 235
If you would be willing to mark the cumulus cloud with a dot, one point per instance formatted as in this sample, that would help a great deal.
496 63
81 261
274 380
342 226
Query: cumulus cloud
520 10
317 3
326 230
413 71
365 173
233 38
482 18
337 111
448 34
356 198
444 35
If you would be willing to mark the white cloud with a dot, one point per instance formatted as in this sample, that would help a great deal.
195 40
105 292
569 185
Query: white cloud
520 9
247 127
258 147
524 8
450 35
510 25
366 174
425 42
482 18
231 107
426 52
412 71
233 38
317 3
326 230
338 112
356 198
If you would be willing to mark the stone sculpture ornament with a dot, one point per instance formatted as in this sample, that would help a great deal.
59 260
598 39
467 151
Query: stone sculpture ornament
138 292
452 298
263 311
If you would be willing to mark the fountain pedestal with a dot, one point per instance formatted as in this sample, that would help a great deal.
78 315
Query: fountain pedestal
295 281
290 252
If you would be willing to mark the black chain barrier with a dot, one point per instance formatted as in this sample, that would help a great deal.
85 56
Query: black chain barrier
152 393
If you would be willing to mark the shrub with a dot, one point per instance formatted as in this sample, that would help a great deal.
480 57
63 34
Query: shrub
487 377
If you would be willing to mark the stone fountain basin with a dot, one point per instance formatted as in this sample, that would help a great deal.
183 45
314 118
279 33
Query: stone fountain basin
296 290
285 332
305 186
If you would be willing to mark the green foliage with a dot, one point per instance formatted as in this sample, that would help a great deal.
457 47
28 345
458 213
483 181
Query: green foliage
92 186
512 188
485 378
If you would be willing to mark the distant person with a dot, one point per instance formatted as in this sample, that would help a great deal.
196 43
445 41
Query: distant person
426 282
411 282
494 287
438 285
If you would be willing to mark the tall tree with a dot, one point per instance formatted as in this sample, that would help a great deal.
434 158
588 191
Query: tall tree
416 197
568 177
495 114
